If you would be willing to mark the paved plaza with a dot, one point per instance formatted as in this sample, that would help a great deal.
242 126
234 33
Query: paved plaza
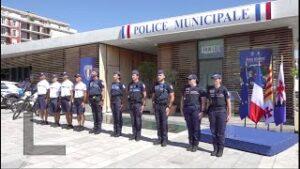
84 150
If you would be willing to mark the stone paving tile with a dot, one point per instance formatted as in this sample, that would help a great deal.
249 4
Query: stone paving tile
84 150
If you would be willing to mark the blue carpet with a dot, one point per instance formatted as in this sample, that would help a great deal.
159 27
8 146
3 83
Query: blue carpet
253 140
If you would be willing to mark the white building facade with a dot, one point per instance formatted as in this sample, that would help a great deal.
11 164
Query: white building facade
19 26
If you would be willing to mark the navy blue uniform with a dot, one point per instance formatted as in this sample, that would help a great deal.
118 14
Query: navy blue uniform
191 109
217 114
135 99
95 88
161 94
116 95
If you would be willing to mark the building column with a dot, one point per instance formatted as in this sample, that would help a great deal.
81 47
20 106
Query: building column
296 80
103 74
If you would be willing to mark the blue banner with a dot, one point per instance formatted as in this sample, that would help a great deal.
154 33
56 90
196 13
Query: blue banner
254 58
87 64
244 104
251 61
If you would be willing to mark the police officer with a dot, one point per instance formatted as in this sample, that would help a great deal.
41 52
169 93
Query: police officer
163 98
79 101
116 96
42 90
96 98
66 97
193 106
25 85
136 99
54 92
219 113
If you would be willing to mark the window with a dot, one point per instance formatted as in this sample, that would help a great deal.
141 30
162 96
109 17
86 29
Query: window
210 54
3 40
14 23
35 36
5 73
46 30
207 68
2 20
36 28
14 32
24 35
3 30
25 25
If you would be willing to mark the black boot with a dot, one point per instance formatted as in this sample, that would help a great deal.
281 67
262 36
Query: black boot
137 138
189 148
132 137
157 142
220 152
194 148
164 143
118 134
114 134
214 153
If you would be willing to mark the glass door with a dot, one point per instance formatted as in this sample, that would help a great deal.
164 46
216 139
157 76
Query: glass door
207 68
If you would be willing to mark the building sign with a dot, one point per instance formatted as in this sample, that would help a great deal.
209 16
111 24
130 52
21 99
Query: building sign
230 16
211 49
86 66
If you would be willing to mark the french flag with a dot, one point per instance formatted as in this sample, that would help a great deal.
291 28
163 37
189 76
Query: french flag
263 11
125 32
256 110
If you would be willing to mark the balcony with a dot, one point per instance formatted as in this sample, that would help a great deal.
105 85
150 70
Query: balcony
25 26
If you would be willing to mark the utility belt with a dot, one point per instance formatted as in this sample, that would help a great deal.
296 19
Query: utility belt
53 98
116 99
217 108
135 101
116 96
79 99
68 98
161 102
192 106
96 97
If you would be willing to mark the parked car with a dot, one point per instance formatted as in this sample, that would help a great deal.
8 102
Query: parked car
9 92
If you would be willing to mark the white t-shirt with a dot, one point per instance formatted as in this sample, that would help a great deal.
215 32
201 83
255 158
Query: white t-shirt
42 87
54 90
66 87
79 88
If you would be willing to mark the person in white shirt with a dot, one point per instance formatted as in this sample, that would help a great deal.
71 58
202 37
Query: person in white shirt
66 94
42 90
54 92
79 101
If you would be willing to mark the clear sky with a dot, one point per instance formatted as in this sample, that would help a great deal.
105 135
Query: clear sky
87 15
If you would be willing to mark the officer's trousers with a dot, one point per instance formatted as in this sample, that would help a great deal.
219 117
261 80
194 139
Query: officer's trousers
97 111
117 116
136 118
161 122
217 121
191 115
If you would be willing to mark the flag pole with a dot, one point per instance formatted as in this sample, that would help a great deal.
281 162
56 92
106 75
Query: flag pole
256 125
268 128
281 126
245 122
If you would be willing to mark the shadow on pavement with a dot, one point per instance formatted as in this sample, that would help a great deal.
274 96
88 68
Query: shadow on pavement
143 138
